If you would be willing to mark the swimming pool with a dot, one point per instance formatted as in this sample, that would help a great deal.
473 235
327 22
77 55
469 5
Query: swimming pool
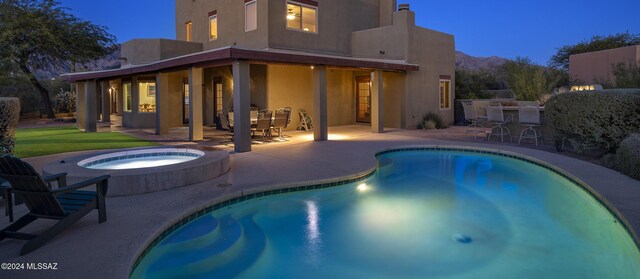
423 214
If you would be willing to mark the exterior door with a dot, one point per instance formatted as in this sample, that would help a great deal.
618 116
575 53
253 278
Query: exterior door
114 100
217 100
363 99
185 103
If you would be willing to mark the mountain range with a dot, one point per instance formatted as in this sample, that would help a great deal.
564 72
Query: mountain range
472 63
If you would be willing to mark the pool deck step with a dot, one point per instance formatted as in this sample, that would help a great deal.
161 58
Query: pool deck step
176 261
199 232
253 245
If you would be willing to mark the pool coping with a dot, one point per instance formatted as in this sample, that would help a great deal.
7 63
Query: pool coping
244 195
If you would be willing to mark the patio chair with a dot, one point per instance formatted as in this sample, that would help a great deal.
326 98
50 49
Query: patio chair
480 110
230 119
305 121
470 116
289 110
253 115
263 124
5 189
66 204
529 116
280 122
495 115
224 123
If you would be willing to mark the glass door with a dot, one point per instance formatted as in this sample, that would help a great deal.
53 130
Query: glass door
114 100
185 107
217 100
363 99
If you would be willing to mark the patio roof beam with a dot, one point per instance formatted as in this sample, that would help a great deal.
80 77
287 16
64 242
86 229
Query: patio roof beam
226 56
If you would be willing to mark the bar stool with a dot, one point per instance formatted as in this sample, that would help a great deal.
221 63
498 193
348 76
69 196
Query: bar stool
495 115
529 116
471 116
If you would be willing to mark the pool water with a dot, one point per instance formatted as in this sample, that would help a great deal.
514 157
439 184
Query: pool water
143 162
425 214
141 158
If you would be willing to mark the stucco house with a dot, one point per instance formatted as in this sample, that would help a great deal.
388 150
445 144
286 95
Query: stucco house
344 62
597 66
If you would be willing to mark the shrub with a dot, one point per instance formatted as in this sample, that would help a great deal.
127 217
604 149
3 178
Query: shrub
9 115
627 158
431 121
64 102
594 120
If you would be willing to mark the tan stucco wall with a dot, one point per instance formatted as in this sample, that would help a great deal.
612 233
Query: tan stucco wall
389 42
596 67
231 23
394 92
141 51
435 53
292 86
340 97
336 20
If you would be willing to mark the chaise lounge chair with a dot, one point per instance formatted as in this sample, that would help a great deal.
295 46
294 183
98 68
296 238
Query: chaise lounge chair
66 204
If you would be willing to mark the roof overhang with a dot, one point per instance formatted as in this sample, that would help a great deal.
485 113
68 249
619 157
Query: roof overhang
226 56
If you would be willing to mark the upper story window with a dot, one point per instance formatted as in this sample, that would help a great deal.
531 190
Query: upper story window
189 30
445 93
250 16
213 25
302 17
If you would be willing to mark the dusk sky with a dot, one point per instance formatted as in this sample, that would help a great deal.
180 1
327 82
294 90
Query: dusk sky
533 29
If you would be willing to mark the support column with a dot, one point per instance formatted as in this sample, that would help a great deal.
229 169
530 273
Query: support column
135 96
162 104
320 126
90 106
241 107
106 101
120 99
196 132
377 104
80 104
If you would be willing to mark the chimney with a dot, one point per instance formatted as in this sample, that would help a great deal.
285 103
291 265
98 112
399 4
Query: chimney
387 8
403 7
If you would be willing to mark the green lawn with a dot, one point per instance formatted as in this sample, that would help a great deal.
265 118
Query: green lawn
46 141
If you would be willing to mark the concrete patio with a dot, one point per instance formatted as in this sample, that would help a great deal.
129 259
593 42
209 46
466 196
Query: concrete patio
108 250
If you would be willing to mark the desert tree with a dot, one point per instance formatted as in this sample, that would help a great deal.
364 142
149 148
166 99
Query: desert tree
37 34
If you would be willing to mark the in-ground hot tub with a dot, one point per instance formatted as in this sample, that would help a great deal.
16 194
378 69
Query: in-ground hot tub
139 171
138 159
